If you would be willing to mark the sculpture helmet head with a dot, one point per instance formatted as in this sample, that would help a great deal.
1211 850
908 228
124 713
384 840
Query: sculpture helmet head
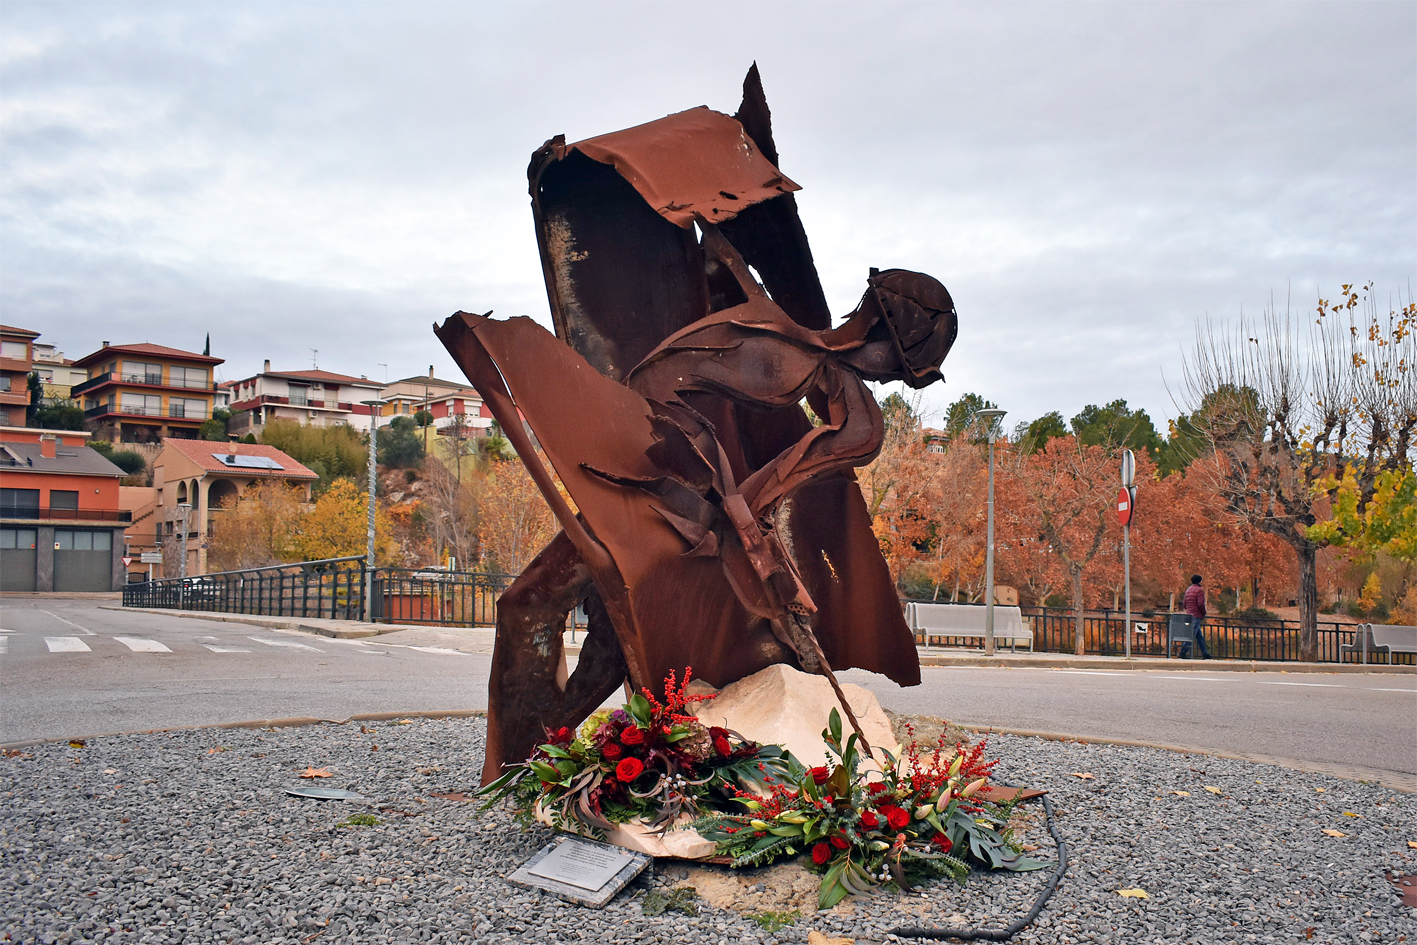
913 328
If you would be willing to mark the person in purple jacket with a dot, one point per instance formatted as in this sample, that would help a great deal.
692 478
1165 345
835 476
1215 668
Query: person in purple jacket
1194 603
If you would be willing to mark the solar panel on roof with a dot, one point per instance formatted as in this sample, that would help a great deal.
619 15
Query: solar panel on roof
247 462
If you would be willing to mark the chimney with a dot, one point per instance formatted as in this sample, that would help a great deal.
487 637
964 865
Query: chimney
48 446
105 344
267 368
430 370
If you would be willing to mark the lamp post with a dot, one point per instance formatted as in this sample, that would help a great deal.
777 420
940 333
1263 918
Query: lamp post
183 510
374 414
989 416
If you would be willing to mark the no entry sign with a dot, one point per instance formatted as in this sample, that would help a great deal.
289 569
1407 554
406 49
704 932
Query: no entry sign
1126 504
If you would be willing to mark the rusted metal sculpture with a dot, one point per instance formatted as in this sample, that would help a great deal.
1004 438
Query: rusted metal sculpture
717 527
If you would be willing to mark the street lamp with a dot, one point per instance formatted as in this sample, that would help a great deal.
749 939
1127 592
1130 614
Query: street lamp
990 417
374 413
183 510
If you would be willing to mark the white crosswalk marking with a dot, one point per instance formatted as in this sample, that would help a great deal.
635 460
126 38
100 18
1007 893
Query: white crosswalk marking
4 645
139 645
224 649
66 645
288 643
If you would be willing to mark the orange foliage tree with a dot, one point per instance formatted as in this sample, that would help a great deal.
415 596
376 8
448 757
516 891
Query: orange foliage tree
514 522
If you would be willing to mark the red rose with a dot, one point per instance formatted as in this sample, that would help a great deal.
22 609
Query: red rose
944 843
820 775
897 817
720 745
821 853
629 769
633 735
562 736
875 787
869 820
840 843
612 751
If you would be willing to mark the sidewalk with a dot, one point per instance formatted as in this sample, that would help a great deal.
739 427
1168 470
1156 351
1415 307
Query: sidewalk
480 639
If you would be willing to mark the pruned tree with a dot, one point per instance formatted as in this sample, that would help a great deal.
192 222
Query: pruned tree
450 514
1292 410
514 521
260 530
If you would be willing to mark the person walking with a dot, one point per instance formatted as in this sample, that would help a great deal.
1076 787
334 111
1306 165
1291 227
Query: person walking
1194 603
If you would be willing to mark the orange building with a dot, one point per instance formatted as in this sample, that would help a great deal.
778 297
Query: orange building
16 362
143 392
61 525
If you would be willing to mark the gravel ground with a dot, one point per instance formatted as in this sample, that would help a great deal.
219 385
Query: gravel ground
188 837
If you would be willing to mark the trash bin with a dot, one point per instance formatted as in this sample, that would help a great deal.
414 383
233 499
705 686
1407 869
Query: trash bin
1180 630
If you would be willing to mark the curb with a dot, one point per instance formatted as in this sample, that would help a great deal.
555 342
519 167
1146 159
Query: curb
1396 780
270 623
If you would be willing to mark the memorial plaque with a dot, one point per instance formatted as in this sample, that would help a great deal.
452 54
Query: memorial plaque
581 871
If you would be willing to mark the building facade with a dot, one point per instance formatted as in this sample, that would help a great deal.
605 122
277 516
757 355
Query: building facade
315 398
446 400
143 393
61 524
209 477
16 362
57 374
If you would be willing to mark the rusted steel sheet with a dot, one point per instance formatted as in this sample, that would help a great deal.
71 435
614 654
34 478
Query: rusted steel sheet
717 527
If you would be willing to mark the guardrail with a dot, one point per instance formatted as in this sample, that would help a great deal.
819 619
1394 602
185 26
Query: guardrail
1104 634
146 380
334 587
50 513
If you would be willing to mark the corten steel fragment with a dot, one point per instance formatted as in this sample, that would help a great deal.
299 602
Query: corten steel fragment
717 527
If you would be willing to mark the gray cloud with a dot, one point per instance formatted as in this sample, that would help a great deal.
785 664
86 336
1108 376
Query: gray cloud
1087 179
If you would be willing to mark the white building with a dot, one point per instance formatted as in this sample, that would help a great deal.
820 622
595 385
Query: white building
313 398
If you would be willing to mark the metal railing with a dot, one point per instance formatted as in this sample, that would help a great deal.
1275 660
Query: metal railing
175 411
147 380
54 513
334 588
1104 634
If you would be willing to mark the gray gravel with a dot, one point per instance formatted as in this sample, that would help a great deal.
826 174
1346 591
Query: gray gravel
188 837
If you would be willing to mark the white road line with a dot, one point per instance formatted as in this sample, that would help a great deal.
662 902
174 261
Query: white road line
1197 678
1413 691
7 631
66 645
85 630
4 645
293 646
139 645
438 649
224 649
1316 685
1091 672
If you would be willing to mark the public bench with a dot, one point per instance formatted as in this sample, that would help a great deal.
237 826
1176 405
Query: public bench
1380 639
932 622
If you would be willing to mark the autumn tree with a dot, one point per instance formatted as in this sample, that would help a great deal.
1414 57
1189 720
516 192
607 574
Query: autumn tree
896 486
1289 409
514 522
450 513
332 452
260 530
337 526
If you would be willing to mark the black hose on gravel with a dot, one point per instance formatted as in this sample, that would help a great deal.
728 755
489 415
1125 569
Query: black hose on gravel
1004 934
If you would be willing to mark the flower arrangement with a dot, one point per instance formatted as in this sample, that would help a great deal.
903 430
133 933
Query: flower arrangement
648 760
924 817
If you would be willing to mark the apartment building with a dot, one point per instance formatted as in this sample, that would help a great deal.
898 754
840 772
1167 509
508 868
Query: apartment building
16 362
315 398
57 374
444 399
61 524
142 393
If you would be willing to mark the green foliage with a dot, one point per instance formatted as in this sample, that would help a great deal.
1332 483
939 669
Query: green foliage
400 445
249 438
771 921
129 461
338 449
1035 435
66 415
103 447
359 820
959 418
216 427
898 414
423 418
1116 425
36 389
680 899
1387 523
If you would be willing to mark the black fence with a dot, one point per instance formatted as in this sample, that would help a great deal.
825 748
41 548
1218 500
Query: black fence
1104 634
334 588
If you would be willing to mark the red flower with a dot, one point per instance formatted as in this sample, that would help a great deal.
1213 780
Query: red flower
875 787
840 843
612 751
897 817
562 736
821 853
869 820
629 769
820 775
720 745
633 735
944 843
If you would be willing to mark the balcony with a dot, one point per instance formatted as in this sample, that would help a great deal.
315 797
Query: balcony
136 380
48 513
171 413
298 402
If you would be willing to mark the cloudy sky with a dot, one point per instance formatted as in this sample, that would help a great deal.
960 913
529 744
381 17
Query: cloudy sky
1087 179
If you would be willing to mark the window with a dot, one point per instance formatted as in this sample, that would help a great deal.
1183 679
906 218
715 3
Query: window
63 499
21 503
299 396
142 372
17 537
73 539
15 349
146 405
187 377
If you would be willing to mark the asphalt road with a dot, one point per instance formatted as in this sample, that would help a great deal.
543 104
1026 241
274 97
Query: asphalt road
69 668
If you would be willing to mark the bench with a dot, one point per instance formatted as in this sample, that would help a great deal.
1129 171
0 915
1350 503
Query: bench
937 621
1385 639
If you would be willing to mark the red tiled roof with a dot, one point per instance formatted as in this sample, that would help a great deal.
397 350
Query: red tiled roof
12 330
317 376
201 452
160 351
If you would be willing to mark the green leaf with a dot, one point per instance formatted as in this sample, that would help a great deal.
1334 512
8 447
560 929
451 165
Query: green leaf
834 725
640 710
832 890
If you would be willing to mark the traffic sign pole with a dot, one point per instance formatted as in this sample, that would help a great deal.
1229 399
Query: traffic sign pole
1126 506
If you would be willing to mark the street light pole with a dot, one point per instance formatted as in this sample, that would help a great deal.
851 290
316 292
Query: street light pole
989 416
374 414
183 509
